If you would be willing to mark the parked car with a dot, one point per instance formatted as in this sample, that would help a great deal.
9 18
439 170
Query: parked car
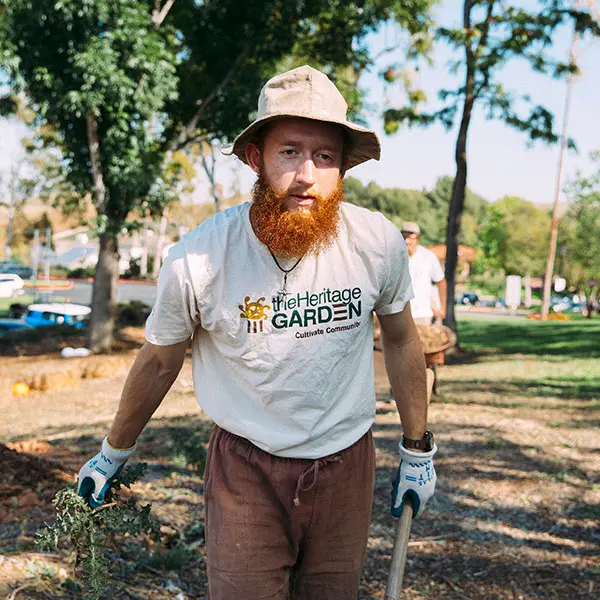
567 304
12 266
469 299
42 315
7 325
10 285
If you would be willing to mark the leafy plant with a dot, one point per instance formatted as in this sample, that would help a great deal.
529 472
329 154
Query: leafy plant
188 449
92 532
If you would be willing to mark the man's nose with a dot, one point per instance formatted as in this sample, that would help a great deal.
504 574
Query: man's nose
306 172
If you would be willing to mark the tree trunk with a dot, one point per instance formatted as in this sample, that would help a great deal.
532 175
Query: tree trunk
9 230
459 186
104 295
160 242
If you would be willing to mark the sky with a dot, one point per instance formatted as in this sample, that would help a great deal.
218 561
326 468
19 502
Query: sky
500 160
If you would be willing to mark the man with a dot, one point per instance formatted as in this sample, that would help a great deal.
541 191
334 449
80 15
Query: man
277 296
425 270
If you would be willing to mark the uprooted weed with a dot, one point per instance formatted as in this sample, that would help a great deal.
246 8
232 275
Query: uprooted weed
95 535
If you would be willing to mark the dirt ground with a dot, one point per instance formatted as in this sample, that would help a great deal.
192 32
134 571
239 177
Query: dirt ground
515 515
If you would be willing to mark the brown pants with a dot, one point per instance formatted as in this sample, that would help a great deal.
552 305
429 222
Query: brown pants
284 528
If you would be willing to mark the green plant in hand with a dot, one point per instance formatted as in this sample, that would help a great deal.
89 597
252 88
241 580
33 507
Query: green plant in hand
92 532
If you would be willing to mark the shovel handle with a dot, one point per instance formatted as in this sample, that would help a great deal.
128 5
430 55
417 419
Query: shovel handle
394 585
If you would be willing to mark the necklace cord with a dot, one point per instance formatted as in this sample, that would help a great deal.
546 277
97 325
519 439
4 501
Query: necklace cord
286 271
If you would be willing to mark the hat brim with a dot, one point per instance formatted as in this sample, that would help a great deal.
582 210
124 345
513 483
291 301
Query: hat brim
364 142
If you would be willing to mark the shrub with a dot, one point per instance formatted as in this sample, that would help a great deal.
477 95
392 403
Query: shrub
92 532
132 314
81 273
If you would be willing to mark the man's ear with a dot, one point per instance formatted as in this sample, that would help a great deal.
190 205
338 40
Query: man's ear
253 156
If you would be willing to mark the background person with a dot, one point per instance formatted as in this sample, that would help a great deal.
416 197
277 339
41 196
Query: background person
290 467
425 271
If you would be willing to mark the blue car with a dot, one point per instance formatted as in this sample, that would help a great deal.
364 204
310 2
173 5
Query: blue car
42 315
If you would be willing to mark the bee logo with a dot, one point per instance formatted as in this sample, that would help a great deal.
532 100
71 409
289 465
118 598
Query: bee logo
255 313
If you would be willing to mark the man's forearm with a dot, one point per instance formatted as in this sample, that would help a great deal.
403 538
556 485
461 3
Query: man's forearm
442 292
148 382
405 365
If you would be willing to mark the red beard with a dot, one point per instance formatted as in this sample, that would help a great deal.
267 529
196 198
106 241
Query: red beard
292 234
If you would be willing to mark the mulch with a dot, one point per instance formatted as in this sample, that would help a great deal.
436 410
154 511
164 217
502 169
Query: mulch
29 482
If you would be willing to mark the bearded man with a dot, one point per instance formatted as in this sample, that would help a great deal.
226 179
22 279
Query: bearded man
277 297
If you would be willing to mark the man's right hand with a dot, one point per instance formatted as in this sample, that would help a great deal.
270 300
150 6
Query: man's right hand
95 476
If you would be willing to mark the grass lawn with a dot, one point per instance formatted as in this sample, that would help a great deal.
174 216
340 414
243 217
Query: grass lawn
6 302
548 363
580 337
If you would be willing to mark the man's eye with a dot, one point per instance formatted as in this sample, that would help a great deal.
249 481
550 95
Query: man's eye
289 152
324 156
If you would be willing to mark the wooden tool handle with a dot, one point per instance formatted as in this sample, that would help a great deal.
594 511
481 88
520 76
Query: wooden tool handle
394 585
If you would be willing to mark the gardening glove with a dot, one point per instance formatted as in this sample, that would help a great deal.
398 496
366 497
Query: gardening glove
415 479
95 476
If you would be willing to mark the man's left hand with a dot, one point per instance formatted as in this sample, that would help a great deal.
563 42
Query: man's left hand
416 478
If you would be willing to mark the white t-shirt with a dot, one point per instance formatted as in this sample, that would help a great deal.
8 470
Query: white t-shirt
295 377
424 269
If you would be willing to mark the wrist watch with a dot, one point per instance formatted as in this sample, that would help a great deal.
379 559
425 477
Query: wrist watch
425 443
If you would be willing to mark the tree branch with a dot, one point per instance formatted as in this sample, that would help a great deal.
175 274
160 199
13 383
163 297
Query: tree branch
486 29
384 51
158 14
187 134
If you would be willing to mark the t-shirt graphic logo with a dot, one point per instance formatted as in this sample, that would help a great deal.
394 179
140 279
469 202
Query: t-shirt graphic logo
255 313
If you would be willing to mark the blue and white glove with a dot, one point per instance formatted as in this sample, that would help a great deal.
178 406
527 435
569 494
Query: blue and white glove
95 476
415 479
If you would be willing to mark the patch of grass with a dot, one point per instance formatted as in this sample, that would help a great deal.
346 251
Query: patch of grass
521 336
586 511
42 336
6 302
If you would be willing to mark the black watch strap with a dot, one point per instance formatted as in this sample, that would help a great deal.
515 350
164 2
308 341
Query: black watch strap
425 443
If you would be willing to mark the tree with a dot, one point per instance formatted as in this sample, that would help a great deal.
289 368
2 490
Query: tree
98 72
579 237
34 171
493 33
428 208
475 209
127 83
513 237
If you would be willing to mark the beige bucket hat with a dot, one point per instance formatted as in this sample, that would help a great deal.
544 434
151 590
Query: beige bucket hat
307 93
410 227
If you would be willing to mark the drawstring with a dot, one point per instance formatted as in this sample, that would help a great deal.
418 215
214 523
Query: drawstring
320 462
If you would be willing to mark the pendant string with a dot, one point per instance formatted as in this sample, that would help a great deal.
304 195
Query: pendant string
283 292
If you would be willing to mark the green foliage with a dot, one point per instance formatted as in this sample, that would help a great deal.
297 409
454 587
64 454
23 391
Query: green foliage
491 35
81 272
91 532
428 208
514 237
132 314
102 59
578 257
188 449
123 89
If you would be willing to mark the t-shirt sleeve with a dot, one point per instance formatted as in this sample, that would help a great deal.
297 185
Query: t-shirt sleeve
396 290
175 315
436 271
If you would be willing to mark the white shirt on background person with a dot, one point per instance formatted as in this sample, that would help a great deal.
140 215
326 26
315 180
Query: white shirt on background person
425 270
